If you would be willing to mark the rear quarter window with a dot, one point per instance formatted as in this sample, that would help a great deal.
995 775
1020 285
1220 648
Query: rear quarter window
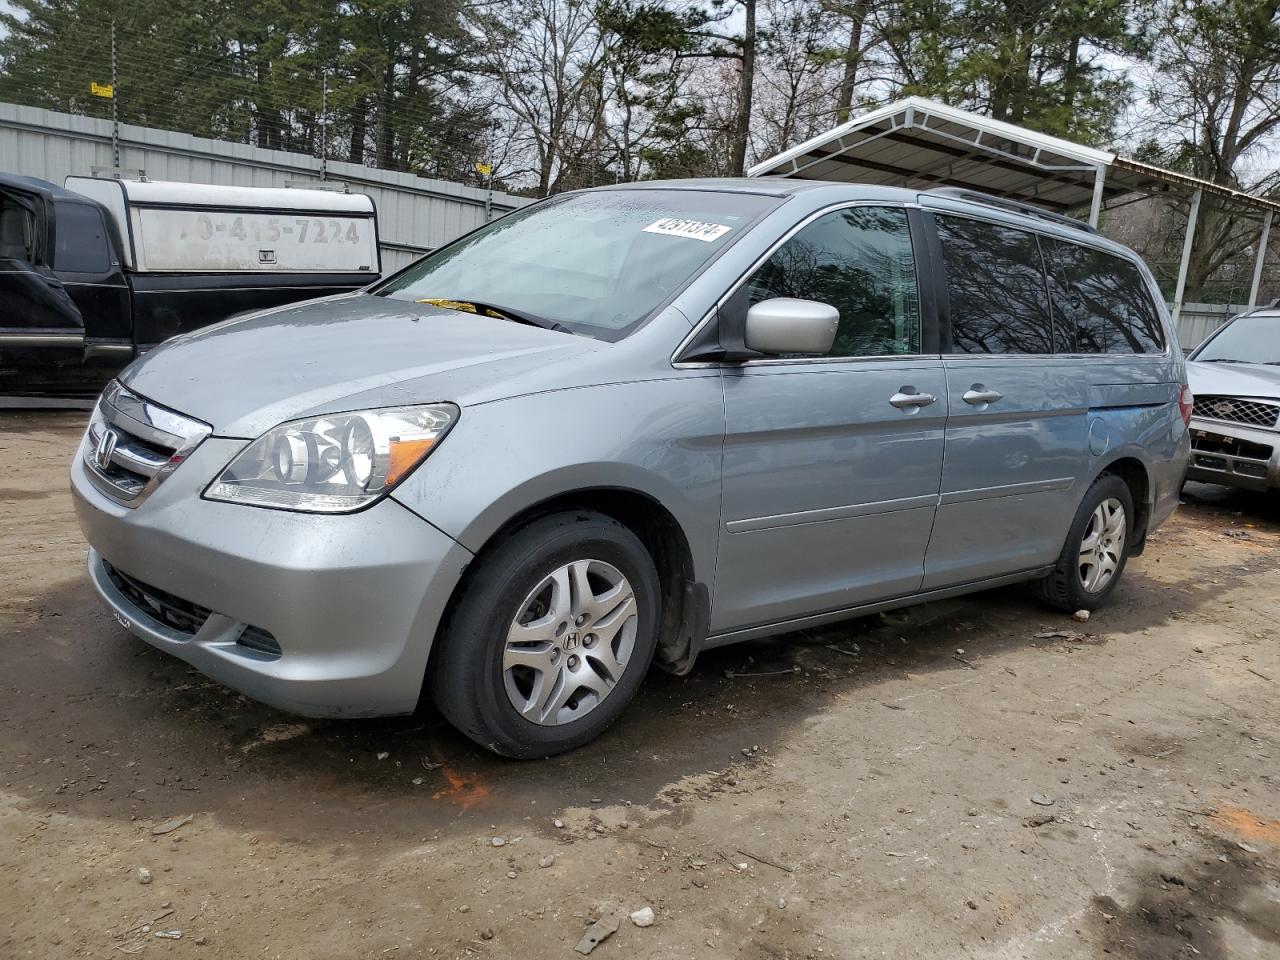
81 241
1102 301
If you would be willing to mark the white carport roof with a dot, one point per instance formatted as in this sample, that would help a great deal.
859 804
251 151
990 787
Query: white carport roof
923 143
916 142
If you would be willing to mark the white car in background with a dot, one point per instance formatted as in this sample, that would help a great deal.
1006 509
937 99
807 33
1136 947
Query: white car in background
1235 424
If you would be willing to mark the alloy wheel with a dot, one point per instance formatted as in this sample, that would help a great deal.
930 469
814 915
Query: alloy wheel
570 642
1102 545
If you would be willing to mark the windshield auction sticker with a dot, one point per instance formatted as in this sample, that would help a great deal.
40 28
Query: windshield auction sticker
691 229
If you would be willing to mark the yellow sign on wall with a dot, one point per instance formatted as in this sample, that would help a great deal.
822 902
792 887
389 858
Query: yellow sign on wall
102 89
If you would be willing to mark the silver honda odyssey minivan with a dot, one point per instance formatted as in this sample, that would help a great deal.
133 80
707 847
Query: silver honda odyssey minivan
623 426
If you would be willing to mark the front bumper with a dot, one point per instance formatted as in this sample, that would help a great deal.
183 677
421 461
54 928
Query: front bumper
352 601
1234 455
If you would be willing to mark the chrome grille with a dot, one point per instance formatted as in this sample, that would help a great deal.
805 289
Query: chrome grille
1254 413
132 444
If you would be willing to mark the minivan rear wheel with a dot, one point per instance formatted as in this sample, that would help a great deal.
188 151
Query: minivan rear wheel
1096 549
551 637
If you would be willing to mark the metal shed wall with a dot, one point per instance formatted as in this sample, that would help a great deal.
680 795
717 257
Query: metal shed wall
415 214
1198 320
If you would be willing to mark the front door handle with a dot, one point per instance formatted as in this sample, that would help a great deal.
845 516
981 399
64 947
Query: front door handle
909 397
978 395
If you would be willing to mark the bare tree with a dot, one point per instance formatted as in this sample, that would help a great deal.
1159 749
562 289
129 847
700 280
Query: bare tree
793 88
546 56
861 36
746 86
1216 94
644 82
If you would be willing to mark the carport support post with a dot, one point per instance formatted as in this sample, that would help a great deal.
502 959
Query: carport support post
1095 208
1262 255
1186 256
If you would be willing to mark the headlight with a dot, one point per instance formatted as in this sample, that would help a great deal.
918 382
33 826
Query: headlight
336 463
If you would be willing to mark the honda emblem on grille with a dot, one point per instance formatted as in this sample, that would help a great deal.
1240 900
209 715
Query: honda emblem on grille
106 447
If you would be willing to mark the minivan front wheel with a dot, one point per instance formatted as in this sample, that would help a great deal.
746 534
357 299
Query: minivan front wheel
570 642
551 637
1096 549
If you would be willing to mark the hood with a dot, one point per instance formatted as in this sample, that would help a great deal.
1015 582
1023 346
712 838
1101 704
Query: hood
1234 379
351 352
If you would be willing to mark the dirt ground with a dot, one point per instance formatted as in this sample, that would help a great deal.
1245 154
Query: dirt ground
976 778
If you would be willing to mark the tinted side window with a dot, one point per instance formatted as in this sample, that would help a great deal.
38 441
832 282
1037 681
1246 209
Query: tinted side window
996 284
17 232
859 261
1103 302
81 241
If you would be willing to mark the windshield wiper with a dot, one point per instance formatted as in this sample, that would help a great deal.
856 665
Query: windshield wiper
1225 360
493 310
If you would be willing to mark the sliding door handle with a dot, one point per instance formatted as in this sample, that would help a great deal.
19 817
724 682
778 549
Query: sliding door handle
978 395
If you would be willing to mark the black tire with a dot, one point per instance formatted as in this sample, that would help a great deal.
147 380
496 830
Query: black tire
1063 589
466 677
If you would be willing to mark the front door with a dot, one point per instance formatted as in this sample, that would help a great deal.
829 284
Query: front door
1017 429
40 325
86 260
832 464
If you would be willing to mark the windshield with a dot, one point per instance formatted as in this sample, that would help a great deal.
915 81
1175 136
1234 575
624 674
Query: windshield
1253 339
596 263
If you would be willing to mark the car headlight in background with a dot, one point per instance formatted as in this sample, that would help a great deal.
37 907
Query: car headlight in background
336 463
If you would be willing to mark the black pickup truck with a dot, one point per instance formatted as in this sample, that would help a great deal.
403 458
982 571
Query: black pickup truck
98 270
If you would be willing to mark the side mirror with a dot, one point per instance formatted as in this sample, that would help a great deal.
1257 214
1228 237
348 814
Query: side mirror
787 325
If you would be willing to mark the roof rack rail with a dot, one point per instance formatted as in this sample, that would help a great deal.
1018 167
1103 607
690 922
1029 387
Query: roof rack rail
1016 206
1270 306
